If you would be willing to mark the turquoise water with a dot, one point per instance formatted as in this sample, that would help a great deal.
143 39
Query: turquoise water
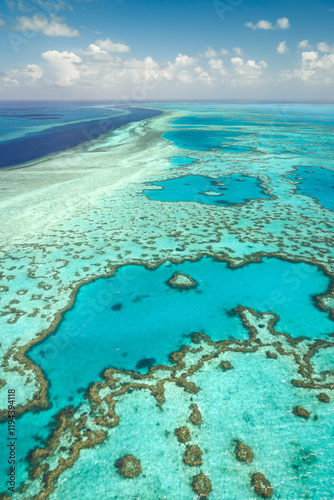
180 161
252 403
230 190
201 140
135 315
315 182
134 320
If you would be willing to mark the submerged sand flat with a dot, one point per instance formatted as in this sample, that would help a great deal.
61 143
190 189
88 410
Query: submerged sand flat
73 217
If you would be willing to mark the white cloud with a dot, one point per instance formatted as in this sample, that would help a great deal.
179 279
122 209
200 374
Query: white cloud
281 24
224 52
324 47
309 56
95 49
260 25
304 44
282 48
110 46
185 77
238 51
216 64
62 67
247 73
237 60
26 76
97 71
315 68
49 27
184 60
209 53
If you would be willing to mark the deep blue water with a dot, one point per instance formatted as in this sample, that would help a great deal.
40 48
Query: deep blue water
88 123
315 182
235 189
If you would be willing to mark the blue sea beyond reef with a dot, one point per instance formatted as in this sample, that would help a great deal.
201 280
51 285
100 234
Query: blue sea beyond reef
166 295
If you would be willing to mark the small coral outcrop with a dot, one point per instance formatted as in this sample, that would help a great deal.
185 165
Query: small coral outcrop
299 411
201 485
226 365
195 417
323 397
183 434
182 281
128 466
193 456
243 453
261 486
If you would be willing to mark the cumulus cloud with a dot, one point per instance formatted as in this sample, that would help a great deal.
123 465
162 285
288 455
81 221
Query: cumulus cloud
184 60
110 46
216 64
282 48
62 67
316 69
52 26
209 53
304 44
238 51
324 47
98 69
247 72
260 25
282 23
25 76
224 52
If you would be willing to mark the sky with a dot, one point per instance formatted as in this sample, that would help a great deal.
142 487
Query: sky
141 50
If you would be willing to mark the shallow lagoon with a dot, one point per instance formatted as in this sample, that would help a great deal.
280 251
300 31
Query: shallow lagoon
315 182
231 190
136 315
201 140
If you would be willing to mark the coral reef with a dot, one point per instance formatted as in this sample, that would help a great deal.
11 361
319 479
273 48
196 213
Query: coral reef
201 485
193 456
299 411
243 453
226 365
128 466
261 486
323 397
195 416
182 281
183 434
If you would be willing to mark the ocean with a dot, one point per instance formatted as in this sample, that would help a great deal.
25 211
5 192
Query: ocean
166 300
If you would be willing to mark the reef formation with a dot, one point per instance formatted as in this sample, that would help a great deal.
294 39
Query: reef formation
214 419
